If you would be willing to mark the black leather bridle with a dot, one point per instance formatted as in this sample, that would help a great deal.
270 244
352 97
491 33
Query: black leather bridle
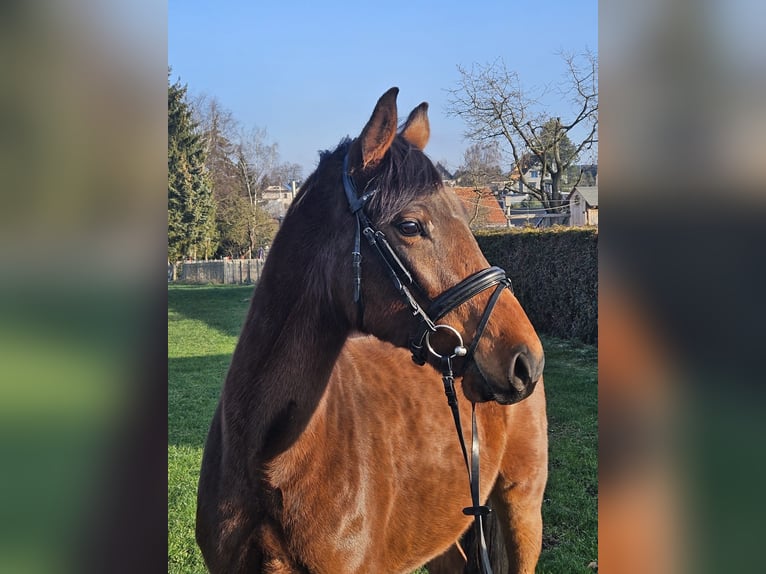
420 344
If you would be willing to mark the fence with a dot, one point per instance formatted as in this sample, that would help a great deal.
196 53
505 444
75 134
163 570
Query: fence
554 273
219 271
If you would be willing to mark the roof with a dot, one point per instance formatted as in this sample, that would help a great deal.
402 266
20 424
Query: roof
589 194
443 172
489 213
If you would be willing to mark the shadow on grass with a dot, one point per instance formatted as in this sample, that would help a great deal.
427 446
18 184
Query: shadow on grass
221 307
570 523
194 386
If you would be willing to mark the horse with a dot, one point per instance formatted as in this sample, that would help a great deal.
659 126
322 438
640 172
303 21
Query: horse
331 449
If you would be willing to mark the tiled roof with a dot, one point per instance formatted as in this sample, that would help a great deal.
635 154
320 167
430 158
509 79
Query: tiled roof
489 214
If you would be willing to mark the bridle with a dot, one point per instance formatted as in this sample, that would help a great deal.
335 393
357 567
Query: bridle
420 343
402 279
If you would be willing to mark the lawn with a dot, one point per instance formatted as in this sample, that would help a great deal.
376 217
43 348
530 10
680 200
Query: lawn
203 326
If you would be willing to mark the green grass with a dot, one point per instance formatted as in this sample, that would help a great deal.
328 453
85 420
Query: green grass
203 326
570 521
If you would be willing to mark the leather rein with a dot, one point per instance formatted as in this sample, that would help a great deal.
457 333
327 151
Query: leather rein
420 344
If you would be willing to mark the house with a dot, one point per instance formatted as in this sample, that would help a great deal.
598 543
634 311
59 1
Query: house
482 207
583 206
277 198
533 177
447 178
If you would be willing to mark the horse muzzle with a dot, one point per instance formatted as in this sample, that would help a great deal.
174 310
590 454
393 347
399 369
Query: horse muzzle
524 371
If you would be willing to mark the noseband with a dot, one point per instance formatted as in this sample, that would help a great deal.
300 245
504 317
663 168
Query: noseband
420 343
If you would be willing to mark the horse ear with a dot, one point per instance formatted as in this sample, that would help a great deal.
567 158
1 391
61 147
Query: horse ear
417 129
379 133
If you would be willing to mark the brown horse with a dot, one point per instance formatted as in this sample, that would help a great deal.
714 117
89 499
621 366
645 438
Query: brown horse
331 454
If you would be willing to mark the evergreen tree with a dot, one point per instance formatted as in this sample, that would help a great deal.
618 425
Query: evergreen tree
191 208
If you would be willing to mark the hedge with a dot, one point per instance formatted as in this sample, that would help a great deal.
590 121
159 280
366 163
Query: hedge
555 276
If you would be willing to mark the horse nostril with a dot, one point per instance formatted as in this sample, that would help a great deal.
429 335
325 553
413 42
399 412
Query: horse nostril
520 377
525 370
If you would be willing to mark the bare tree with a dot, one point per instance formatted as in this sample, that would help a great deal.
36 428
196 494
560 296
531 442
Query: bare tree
256 161
239 162
478 208
496 107
481 164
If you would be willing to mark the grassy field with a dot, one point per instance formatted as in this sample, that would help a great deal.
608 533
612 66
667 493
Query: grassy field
203 325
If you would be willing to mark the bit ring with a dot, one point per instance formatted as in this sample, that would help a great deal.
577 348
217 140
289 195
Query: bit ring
460 350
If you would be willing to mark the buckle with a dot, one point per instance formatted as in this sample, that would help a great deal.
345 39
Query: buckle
477 510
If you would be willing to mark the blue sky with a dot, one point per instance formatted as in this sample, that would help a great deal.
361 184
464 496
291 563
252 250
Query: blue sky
310 72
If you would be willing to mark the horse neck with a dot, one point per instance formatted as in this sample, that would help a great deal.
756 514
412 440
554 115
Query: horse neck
292 336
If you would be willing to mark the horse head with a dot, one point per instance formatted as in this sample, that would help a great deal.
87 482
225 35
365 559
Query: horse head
420 279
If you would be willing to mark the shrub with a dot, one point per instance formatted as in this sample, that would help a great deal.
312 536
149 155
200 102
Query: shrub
555 276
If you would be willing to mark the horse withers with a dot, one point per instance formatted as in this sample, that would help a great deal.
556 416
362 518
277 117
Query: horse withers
333 453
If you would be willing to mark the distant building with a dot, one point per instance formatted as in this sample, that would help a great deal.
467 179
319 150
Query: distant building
533 177
482 207
447 177
276 199
583 206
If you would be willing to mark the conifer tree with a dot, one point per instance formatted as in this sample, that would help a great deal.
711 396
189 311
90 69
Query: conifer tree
191 208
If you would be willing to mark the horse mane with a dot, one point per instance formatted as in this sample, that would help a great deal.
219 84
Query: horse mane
405 173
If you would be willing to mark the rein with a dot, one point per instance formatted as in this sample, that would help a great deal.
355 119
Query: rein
420 344
477 510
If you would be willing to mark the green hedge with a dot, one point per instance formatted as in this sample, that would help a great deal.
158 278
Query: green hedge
555 276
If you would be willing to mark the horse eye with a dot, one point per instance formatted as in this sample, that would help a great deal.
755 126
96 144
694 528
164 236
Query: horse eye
409 228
